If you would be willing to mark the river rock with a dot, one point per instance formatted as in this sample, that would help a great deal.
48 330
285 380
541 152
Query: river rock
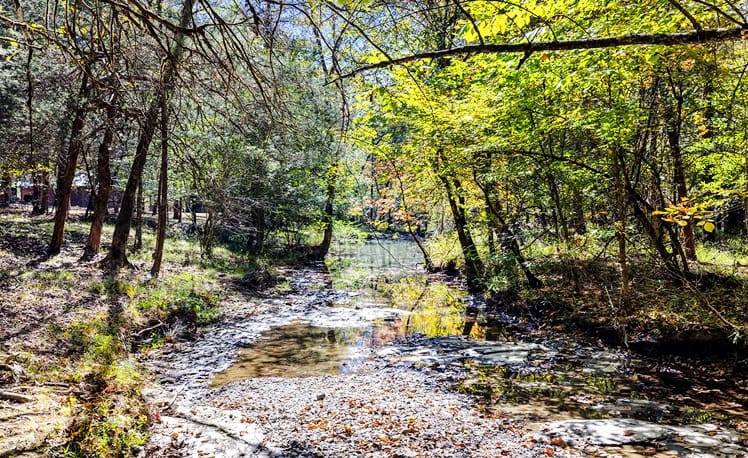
693 441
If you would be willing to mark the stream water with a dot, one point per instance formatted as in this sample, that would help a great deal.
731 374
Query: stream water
537 375
378 302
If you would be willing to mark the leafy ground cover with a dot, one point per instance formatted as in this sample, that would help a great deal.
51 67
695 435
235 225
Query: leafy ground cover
70 378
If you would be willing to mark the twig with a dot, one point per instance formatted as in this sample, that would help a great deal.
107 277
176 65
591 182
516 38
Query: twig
703 300
174 399
616 319
151 328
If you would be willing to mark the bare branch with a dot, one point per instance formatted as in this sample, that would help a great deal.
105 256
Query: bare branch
687 14
649 39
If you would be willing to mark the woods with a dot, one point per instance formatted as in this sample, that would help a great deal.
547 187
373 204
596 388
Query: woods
664 112
581 163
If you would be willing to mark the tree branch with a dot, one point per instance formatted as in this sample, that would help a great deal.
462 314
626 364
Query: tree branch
666 39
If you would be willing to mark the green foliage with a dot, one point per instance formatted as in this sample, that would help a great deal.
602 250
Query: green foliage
181 297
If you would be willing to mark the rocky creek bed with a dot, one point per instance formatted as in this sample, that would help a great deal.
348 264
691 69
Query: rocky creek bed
385 405
395 400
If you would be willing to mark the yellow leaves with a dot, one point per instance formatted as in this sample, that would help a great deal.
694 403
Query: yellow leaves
373 57
685 213
498 25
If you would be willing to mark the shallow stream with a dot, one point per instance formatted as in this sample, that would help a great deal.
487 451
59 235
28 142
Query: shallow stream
373 302
510 366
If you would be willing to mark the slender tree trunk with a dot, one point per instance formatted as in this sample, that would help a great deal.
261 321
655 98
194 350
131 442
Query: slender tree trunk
474 268
745 199
139 211
428 264
329 216
118 253
65 184
178 210
507 238
473 263
562 226
621 225
206 236
580 225
163 198
104 179
674 121
258 215
44 196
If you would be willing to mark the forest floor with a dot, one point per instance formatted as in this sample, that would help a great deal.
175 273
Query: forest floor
67 387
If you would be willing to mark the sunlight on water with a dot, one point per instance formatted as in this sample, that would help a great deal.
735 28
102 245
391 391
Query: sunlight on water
384 274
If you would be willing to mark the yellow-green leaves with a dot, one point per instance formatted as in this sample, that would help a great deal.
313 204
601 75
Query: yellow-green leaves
686 213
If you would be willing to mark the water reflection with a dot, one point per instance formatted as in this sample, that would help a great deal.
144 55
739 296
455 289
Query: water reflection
299 350
382 274
569 378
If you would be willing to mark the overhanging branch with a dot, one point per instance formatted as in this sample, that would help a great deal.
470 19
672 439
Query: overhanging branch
665 39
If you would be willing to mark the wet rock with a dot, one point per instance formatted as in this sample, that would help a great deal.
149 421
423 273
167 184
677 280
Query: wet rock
694 440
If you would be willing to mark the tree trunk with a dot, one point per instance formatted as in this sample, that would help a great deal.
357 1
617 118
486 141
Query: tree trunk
621 225
117 257
139 210
163 198
104 179
507 237
580 225
177 210
118 253
65 184
674 121
44 197
206 235
562 226
473 265
258 217
329 216
428 264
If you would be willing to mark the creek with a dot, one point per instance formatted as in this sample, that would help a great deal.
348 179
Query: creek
373 300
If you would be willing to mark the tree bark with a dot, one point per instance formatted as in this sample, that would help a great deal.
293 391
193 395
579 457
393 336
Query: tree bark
65 185
177 210
117 257
104 179
474 268
621 224
473 263
329 216
529 47
163 198
139 210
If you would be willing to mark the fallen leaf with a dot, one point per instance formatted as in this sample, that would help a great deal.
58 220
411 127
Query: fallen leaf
558 442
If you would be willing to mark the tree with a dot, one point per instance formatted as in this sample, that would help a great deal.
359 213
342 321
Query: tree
117 256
